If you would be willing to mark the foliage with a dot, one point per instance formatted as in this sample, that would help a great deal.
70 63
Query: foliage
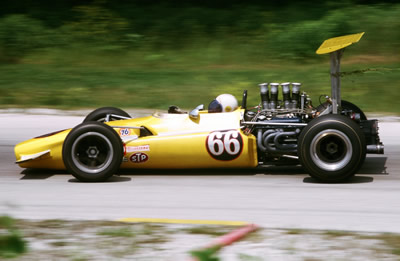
207 254
11 242
251 30
19 35
300 40
95 23
154 53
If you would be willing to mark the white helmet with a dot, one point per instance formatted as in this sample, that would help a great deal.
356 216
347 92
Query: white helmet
223 103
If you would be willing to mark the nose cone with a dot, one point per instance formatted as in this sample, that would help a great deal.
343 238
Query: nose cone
41 152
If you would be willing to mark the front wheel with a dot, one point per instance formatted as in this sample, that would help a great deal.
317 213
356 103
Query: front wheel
332 148
92 152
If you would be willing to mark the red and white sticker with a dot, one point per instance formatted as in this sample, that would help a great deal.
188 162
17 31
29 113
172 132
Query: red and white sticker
224 145
137 148
139 157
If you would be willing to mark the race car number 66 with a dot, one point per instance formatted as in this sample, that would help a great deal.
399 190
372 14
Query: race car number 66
224 145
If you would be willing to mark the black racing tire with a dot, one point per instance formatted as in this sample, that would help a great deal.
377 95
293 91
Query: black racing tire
92 152
100 114
346 105
331 148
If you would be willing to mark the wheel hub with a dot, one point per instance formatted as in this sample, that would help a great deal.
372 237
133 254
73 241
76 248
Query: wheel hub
92 152
332 148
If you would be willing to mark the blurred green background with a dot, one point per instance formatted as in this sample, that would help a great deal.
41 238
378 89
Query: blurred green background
151 54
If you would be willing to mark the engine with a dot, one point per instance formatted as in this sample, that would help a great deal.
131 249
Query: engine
277 123
293 107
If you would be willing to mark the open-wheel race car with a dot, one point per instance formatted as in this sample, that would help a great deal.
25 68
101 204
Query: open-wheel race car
330 141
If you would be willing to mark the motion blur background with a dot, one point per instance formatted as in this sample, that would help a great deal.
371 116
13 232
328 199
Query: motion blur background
153 53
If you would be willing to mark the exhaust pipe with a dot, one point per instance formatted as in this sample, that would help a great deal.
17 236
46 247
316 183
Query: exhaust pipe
376 148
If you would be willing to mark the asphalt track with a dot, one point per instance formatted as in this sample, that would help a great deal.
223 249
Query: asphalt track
276 197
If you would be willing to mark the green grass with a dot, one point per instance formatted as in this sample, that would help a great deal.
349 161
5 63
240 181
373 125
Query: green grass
208 230
79 79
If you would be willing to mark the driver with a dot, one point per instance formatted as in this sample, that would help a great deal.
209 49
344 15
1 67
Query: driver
223 103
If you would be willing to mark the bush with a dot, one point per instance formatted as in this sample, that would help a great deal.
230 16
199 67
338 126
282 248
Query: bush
300 40
19 35
11 242
95 24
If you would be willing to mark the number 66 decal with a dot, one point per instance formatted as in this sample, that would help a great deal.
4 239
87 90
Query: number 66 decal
224 145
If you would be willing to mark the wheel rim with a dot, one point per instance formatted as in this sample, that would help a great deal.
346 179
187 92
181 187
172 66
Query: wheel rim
92 152
331 150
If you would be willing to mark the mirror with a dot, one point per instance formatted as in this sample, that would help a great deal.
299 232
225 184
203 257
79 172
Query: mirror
194 114
200 107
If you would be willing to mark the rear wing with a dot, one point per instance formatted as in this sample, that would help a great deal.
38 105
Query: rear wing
337 43
335 46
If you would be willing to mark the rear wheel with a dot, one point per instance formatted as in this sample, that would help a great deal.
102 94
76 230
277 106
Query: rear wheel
92 152
332 148
346 105
105 114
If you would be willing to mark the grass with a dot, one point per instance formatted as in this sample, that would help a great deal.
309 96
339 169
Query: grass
116 232
130 54
73 79
91 240
392 240
389 239
207 230
295 231
337 233
244 257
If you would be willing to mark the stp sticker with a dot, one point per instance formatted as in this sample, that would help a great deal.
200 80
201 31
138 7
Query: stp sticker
139 157
224 145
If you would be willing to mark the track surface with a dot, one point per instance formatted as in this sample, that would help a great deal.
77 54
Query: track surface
277 197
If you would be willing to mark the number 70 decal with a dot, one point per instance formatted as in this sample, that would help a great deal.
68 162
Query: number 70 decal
224 145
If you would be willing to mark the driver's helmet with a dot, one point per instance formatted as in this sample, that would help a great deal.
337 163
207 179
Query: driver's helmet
223 103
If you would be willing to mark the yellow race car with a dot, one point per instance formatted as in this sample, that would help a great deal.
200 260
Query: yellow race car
330 141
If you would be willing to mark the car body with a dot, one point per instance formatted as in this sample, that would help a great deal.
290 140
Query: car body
176 141
330 141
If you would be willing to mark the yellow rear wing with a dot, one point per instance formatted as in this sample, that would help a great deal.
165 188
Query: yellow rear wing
337 43
334 46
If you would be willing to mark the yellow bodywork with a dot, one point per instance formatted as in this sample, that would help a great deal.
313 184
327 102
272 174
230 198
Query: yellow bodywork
176 141
337 43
